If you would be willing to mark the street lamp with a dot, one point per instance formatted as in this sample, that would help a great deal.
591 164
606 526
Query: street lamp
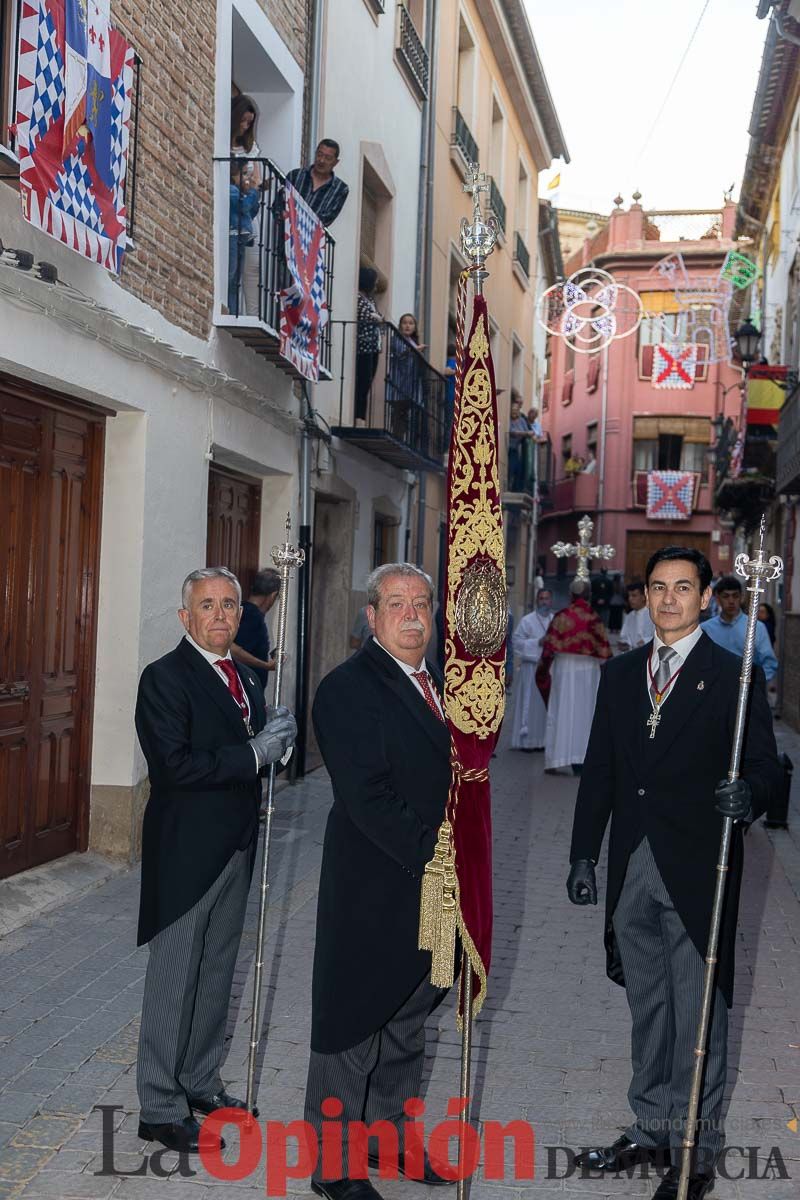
748 340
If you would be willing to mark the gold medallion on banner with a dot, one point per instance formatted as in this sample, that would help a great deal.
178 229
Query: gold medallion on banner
482 609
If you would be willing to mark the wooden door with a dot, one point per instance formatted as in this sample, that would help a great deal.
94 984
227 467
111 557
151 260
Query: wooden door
50 483
234 524
640 544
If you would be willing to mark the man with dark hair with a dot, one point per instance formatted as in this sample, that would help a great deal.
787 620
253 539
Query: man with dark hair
637 628
661 739
251 646
602 591
323 191
729 628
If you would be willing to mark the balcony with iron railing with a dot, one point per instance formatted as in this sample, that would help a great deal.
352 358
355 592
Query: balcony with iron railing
521 260
530 465
395 406
463 147
411 53
574 492
253 262
497 205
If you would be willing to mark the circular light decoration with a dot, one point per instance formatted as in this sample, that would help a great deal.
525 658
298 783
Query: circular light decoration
590 310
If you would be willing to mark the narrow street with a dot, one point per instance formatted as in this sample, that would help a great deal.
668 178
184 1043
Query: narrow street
551 1044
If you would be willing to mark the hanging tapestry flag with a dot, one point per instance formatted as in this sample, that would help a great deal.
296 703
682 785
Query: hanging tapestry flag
73 126
670 495
304 307
674 366
766 393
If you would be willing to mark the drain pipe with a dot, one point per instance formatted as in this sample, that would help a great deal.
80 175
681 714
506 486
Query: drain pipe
297 763
315 82
425 239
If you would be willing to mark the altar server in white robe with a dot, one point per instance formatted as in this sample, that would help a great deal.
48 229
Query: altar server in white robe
530 714
637 628
575 646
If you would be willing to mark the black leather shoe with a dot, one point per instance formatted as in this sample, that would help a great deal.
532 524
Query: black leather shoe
346 1189
699 1184
177 1135
622 1154
429 1176
221 1099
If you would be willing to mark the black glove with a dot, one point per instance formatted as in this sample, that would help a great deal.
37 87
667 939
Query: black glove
275 738
734 800
582 885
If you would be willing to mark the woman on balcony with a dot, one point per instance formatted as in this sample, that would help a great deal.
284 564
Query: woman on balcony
406 385
244 272
368 340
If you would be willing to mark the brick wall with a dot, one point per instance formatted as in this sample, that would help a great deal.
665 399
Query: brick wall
171 266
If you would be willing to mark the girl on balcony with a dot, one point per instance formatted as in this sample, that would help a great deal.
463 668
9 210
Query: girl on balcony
245 269
368 340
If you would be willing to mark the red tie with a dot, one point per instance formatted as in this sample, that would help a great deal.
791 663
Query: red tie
234 683
423 679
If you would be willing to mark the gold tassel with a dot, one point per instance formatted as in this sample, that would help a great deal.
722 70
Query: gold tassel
439 909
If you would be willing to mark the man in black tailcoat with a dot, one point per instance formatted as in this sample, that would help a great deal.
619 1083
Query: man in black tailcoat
205 732
379 723
660 743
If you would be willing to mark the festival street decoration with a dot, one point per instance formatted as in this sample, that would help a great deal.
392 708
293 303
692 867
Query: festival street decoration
701 314
670 495
674 366
589 310
583 550
304 307
74 86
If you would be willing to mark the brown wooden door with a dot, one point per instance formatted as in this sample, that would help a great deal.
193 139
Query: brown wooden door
234 523
640 544
50 464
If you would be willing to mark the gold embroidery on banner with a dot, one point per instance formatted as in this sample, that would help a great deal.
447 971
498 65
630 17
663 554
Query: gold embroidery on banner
476 593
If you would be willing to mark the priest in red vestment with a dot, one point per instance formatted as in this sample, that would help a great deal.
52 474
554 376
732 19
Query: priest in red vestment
568 676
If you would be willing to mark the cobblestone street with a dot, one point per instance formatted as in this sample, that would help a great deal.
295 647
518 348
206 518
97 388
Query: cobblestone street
551 1045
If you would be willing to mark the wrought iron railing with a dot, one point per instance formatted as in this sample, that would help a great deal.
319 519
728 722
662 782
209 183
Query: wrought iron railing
393 389
522 254
412 52
256 268
462 138
497 204
530 462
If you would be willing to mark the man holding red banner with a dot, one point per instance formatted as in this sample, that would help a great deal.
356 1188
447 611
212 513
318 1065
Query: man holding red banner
380 726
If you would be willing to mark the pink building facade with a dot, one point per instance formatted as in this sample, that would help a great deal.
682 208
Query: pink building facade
612 407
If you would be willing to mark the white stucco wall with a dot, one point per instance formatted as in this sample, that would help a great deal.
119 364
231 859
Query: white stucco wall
179 400
777 272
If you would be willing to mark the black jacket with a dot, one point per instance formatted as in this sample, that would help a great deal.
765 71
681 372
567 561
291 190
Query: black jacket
389 760
204 789
664 789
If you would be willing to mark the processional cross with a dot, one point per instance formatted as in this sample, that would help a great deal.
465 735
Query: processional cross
582 549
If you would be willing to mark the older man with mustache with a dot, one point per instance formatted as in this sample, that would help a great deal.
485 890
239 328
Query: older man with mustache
379 723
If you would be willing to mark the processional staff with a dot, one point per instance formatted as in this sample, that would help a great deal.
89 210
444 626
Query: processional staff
583 549
757 571
286 558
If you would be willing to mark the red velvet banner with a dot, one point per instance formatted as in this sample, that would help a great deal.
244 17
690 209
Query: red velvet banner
475 622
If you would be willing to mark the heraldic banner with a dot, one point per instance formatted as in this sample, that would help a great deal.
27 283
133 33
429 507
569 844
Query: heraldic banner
73 112
457 886
304 307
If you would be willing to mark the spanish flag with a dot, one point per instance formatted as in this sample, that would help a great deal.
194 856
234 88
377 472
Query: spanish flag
554 183
765 395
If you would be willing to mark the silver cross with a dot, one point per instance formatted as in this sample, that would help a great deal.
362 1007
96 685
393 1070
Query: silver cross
653 722
583 548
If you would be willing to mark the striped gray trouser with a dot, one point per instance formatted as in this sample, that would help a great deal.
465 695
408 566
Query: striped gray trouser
664 983
374 1078
187 992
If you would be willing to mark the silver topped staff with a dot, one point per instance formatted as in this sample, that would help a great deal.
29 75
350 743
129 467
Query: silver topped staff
285 558
757 571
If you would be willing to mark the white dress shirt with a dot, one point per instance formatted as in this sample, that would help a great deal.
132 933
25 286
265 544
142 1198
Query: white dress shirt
409 671
683 648
212 660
